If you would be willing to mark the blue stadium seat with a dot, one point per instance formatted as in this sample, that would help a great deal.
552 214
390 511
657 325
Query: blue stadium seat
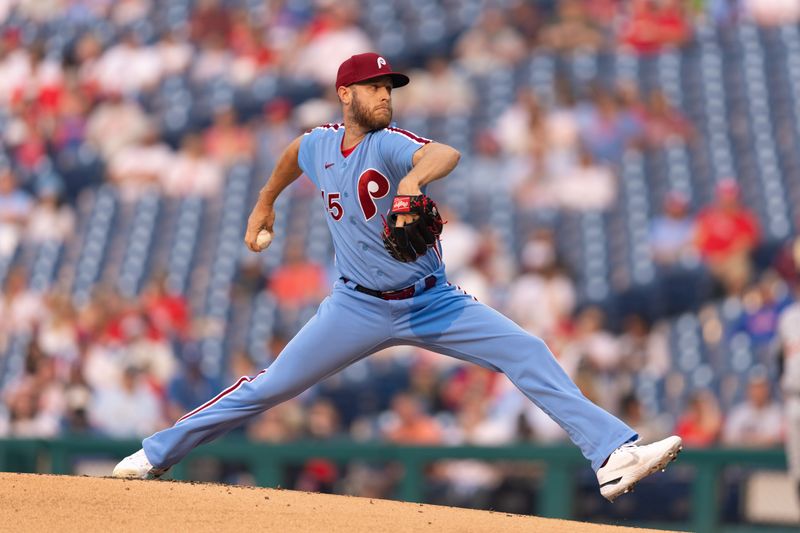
45 266
185 241
13 363
95 245
139 244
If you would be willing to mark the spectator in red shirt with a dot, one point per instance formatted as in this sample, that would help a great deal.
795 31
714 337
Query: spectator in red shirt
226 141
297 282
727 233
167 311
248 42
209 18
700 424
653 25
468 382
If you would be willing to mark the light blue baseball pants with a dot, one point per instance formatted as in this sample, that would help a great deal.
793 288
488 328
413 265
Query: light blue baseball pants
350 325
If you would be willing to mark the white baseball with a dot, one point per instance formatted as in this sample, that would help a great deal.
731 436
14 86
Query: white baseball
263 239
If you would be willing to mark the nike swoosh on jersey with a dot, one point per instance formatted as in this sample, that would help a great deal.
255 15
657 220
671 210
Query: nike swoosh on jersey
328 165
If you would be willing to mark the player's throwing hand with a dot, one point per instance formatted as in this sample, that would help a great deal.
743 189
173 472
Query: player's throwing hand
260 219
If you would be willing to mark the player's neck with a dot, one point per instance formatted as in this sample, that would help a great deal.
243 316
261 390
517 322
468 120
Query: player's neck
353 134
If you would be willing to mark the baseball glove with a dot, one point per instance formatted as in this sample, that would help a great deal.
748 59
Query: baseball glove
410 242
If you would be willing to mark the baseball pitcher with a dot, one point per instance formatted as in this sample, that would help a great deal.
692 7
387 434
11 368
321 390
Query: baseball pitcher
392 290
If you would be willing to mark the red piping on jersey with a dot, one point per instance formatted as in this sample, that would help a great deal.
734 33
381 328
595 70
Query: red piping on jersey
221 395
413 137
331 126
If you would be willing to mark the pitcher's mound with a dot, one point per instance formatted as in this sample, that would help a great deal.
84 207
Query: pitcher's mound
30 502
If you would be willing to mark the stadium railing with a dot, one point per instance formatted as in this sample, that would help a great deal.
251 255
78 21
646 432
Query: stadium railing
266 461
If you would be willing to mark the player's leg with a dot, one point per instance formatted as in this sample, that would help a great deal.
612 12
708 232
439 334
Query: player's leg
451 322
347 327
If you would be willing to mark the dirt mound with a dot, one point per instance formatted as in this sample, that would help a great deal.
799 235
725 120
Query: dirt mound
30 502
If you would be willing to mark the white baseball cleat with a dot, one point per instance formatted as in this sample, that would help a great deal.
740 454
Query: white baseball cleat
137 466
630 463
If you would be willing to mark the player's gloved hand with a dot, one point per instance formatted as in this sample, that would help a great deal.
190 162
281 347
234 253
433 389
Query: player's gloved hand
408 241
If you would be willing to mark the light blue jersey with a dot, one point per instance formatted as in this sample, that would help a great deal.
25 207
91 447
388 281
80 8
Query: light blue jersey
357 192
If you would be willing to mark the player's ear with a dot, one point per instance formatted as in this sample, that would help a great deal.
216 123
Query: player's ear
345 94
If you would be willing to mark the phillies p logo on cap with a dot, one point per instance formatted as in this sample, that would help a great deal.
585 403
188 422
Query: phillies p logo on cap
381 62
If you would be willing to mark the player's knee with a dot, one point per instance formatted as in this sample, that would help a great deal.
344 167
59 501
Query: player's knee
535 345
538 343
275 393
522 350
529 342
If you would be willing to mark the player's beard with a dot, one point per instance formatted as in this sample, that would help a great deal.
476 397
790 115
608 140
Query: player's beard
365 119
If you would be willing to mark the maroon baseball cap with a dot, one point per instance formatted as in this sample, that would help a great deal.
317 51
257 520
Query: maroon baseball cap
362 67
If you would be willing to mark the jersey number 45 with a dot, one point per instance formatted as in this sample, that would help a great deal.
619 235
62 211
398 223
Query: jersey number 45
372 186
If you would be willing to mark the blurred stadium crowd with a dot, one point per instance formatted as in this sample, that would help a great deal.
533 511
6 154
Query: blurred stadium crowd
634 163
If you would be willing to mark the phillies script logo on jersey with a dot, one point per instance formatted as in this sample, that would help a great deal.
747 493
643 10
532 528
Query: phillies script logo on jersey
401 204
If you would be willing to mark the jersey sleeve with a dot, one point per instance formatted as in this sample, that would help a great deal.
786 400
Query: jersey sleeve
397 149
305 156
